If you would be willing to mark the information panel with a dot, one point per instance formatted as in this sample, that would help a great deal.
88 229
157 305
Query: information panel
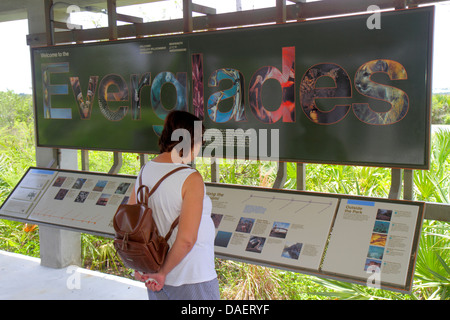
327 91
371 237
27 193
369 241
289 228
81 200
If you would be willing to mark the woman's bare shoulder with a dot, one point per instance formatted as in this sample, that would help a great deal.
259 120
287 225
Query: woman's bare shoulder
194 182
195 178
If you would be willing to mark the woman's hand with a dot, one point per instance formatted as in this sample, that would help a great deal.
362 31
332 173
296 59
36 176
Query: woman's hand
153 281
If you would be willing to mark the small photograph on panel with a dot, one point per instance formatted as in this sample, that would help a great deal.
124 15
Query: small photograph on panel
103 200
59 182
82 196
222 239
381 227
122 188
292 250
378 239
100 185
383 214
79 183
279 230
372 265
375 252
61 194
216 218
125 200
245 225
255 244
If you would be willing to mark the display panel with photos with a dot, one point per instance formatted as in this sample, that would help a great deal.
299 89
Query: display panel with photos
80 200
369 241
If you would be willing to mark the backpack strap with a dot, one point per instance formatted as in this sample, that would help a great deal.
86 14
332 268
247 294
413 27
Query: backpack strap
164 177
147 195
174 224
142 187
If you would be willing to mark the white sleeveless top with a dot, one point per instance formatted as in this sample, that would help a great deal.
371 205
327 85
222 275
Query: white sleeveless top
198 265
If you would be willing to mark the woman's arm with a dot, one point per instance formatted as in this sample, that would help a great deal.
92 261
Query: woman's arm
132 198
191 213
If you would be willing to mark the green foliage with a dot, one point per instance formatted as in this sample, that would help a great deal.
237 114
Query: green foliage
362 181
433 262
243 281
19 238
440 112
434 185
17 143
15 108
98 253
102 161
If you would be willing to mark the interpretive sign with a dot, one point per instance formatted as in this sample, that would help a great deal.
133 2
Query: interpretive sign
364 240
272 226
327 91
376 238
84 201
367 241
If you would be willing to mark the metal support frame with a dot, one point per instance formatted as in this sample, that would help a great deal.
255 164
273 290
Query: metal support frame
215 170
84 160
203 9
437 211
281 11
301 176
143 158
188 25
298 11
113 17
402 179
408 184
280 180
112 20
396 184
117 164
48 7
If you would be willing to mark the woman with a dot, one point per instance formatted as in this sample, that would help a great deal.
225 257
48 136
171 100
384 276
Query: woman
188 271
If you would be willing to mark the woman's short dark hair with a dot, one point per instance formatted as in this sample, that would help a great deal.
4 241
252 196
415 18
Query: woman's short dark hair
179 120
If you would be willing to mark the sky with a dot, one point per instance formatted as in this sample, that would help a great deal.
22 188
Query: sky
15 64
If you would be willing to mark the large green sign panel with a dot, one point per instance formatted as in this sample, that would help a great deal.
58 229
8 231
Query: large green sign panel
325 91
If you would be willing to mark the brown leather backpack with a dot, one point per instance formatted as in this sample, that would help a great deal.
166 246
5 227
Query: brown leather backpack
137 240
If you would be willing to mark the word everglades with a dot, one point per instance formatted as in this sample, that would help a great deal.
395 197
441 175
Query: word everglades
114 88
